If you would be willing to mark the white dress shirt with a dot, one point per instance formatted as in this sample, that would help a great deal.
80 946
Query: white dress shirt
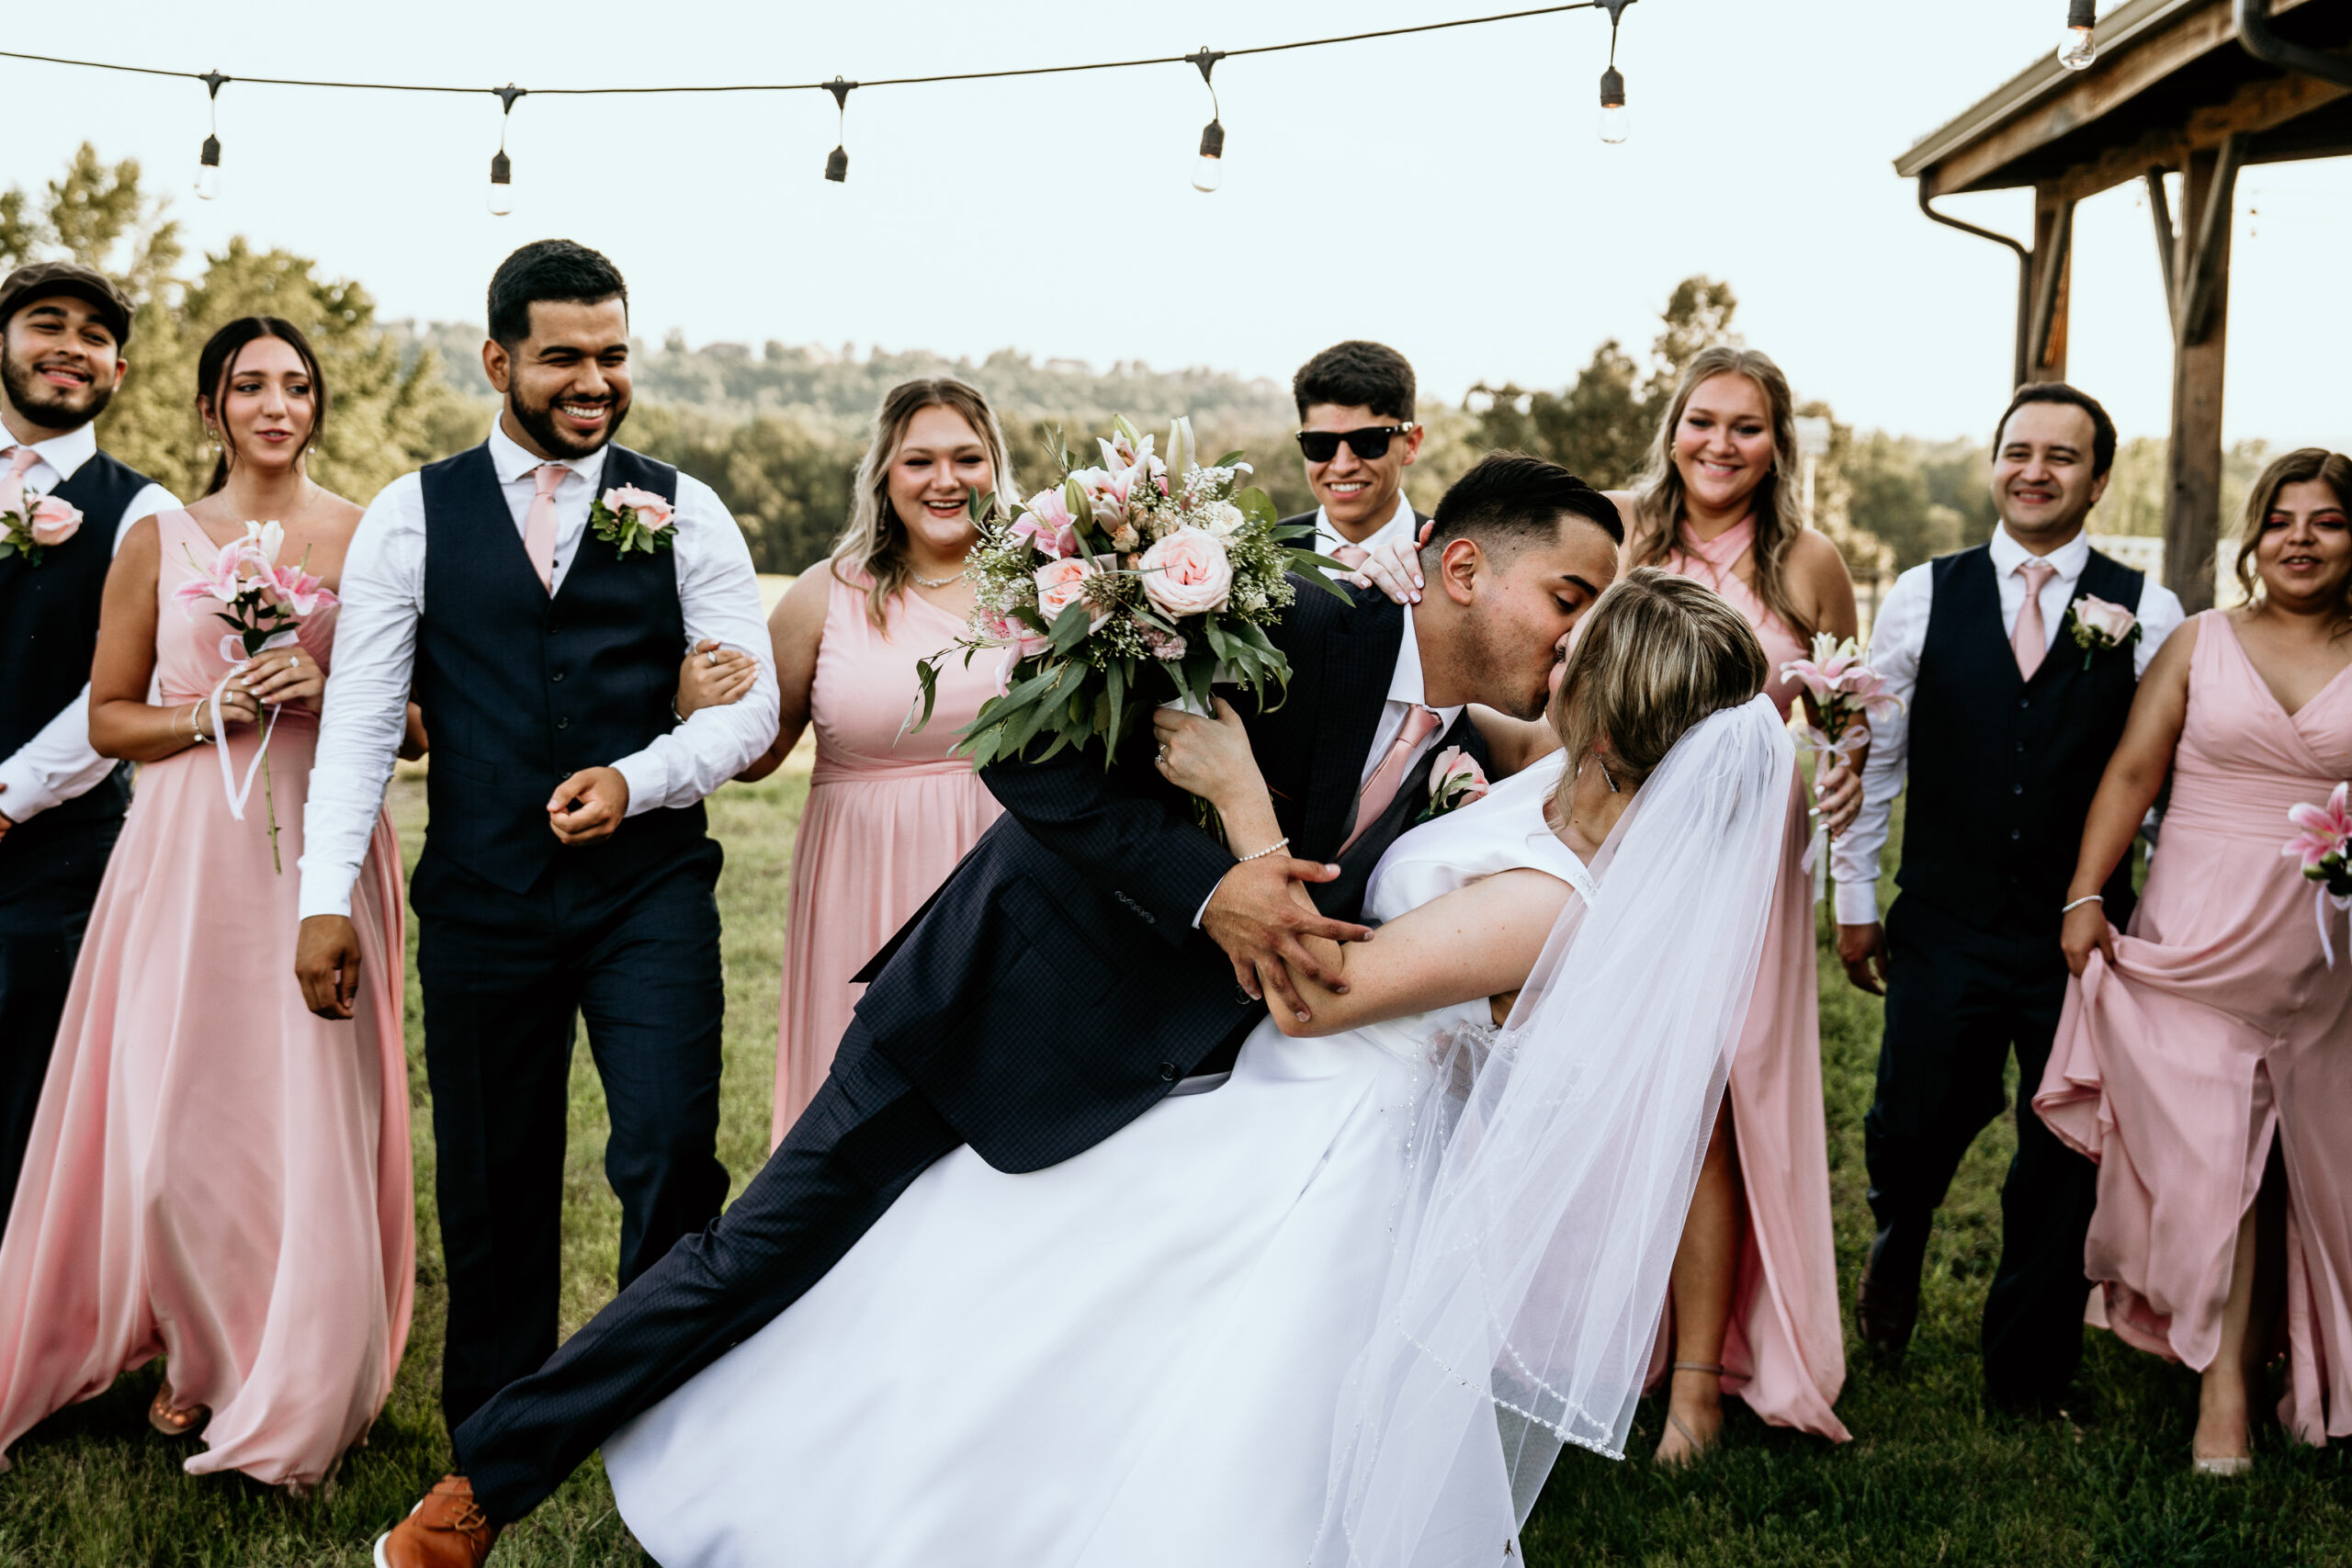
1901 631
1399 529
366 708
1406 691
57 764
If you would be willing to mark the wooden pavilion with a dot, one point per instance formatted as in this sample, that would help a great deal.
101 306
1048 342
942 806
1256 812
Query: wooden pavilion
2195 87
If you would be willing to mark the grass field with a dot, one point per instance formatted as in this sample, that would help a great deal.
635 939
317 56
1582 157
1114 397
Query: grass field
1930 1478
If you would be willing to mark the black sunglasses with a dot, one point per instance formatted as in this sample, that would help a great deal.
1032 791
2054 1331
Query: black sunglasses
1370 442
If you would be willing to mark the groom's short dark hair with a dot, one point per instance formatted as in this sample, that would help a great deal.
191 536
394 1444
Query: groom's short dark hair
563 270
1508 500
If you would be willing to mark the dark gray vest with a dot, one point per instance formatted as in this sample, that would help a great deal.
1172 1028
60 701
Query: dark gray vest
2003 769
520 690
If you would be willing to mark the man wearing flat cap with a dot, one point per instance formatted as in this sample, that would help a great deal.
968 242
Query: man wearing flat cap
63 328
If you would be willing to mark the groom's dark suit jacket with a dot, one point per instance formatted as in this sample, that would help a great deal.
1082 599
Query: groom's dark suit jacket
1054 987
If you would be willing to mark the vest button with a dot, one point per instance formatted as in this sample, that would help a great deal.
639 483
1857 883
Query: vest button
564 722
558 675
2016 833
1167 1072
2017 789
2022 702
2021 744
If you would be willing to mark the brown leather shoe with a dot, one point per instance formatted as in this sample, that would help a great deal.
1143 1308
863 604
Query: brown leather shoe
1886 1302
448 1529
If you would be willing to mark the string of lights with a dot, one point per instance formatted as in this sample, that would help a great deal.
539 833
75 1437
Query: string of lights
1208 173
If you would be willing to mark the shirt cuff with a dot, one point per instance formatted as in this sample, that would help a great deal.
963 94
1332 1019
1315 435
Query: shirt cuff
26 796
327 891
1858 903
649 782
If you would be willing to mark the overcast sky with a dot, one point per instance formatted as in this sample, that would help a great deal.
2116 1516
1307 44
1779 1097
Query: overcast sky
1446 192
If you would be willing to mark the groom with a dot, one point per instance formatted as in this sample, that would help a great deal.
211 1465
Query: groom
1092 952
566 872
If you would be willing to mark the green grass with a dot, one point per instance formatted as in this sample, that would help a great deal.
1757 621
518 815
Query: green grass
1930 1478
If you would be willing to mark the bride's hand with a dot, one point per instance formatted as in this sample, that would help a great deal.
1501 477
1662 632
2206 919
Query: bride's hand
1209 757
1395 569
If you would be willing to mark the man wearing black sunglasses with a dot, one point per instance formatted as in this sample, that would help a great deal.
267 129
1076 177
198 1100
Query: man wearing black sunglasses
1355 410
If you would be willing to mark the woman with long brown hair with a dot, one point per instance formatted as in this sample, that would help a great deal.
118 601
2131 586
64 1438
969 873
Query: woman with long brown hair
1753 1304
889 813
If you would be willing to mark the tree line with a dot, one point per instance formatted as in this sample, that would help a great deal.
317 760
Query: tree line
777 433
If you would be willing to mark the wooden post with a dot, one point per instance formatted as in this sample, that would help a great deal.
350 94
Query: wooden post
2200 344
2053 267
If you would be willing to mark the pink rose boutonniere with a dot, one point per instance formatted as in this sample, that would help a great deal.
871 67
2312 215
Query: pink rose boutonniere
2324 846
630 519
38 522
1455 781
2098 625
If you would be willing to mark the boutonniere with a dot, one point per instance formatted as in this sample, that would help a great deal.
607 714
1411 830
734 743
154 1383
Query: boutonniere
630 519
40 521
1455 780
2098 626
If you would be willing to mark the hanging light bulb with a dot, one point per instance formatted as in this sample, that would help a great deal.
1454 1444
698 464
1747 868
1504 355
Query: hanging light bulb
1209 171
500 200
1615 123
207 158
837 160
2078 45
502 184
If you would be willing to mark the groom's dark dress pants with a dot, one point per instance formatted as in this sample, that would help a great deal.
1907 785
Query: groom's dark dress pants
504 974
865 1137
50 871
1958 999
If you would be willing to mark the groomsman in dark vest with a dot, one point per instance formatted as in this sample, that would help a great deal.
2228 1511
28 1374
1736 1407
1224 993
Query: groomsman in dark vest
1356 431
566 872
2008 726
63 331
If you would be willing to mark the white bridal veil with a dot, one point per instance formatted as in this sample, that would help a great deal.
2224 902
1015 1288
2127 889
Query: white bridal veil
1553 1168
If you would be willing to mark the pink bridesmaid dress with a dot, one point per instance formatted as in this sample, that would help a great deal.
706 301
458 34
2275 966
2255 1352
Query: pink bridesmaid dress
2219 1028
1785 1351
888 815
215 1176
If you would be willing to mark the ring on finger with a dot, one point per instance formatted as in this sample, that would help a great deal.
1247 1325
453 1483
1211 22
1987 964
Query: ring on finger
714 656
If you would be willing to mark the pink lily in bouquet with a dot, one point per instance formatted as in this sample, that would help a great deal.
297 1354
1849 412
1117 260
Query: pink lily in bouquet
264 603
2324 846
1846 694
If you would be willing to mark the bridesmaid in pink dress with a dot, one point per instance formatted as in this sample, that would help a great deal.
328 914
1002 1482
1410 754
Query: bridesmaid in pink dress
215 1176
888 813
1752 1307
2201 1059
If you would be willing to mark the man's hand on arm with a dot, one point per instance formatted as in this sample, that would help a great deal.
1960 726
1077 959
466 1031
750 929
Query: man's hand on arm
1254 918
1863 949
588 805
326 962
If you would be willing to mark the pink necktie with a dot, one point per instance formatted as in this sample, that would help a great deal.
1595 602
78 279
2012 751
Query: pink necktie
1381 788
1351 556
2030 641
12 483
539 524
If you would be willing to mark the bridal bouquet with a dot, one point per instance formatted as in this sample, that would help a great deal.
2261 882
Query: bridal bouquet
1145 574
38 522
1847 694
2324 846
265 603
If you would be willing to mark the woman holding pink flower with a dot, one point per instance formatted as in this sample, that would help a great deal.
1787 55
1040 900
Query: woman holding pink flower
1753 1308
215 1176
2201 1057
889 811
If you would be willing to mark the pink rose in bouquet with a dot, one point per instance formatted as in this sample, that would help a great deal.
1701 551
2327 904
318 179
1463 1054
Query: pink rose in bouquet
1187 574
53 521
1060 584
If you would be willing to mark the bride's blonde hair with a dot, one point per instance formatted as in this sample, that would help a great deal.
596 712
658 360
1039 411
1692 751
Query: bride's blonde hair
1656 654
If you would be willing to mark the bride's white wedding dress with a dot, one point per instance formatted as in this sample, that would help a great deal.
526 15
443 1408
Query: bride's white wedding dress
1130 1359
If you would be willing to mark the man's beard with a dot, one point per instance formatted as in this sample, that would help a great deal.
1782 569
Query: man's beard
42 403
541 425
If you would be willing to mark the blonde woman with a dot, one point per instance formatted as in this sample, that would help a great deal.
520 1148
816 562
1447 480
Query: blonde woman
888 813
1754 1300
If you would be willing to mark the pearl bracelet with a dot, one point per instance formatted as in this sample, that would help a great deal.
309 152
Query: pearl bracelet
2094 898
1282 843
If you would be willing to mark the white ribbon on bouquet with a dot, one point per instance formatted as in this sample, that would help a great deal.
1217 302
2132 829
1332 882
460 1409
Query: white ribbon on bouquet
232 649
2342 901
1841 751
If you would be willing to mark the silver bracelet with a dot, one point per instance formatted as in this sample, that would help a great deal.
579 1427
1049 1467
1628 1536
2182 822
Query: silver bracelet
2094 898
195 718
1282 843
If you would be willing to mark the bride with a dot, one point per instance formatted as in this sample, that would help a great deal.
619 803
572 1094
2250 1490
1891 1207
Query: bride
1346 1307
